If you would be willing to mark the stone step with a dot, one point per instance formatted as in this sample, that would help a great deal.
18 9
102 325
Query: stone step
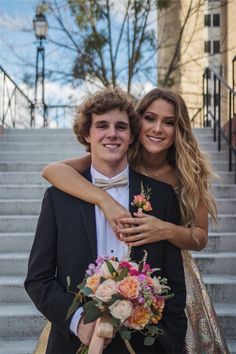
232 346
12 290
227 318
226 206
224 190
20 206
72 146
13 264
225 177
16 241
22 166
18 191
45 131
226 223
18 346
20 321
221 242
221 288
216 262
21 178
39 156
18 223
221 166
43 138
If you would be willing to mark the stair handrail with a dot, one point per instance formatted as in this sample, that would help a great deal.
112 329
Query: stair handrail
218 130
8 101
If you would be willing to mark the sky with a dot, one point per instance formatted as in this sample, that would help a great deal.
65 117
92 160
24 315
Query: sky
18 49
18 53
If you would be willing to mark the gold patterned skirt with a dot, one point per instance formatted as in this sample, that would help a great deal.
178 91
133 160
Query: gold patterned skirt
204 335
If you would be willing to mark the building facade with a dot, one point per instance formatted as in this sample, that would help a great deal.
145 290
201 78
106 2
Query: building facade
193 35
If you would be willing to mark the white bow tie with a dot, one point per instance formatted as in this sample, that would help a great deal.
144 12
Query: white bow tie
120 181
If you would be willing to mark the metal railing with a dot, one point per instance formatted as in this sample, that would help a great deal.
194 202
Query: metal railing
16 109
212 111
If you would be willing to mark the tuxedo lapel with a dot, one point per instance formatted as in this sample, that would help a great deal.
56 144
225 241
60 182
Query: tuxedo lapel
88 214
134 188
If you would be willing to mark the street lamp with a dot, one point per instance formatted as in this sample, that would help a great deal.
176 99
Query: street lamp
40 25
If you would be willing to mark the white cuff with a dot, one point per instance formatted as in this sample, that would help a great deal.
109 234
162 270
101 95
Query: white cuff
75 321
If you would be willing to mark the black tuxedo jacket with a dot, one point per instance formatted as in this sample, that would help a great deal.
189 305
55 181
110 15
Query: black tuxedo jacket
65 243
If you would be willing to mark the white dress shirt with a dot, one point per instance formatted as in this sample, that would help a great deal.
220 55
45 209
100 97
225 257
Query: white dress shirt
107 243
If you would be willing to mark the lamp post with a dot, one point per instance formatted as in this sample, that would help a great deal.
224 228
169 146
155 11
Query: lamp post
41 29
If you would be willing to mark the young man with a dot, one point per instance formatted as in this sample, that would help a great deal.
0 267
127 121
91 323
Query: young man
72 233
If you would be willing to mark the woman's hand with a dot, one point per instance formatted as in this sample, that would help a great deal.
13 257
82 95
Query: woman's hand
114 212
147 229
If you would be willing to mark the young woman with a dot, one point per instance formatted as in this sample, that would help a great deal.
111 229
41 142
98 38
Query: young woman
167 151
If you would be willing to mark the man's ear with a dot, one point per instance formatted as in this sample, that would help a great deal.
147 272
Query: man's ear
87 138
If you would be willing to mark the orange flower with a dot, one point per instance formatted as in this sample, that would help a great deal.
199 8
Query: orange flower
139 318
147 206
129 287
93 282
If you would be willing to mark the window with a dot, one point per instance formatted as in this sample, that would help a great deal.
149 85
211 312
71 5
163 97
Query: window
207 47
216 47
216 20
207 20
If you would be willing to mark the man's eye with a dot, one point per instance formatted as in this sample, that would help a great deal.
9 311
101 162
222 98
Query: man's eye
101 126
148 118
122 127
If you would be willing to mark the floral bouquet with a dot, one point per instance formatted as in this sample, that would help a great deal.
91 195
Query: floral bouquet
121 296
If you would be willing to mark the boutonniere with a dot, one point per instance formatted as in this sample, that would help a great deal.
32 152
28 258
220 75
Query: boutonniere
141 201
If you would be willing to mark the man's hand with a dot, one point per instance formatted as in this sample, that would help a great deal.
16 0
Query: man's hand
85 331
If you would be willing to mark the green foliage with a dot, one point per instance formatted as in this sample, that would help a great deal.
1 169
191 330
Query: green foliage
122 274
110 267
149 340
125 334
91 312
74 306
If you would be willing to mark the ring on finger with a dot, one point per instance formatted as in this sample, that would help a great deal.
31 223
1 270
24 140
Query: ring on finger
140 236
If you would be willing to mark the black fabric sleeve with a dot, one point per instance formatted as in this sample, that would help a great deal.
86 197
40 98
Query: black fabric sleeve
41 283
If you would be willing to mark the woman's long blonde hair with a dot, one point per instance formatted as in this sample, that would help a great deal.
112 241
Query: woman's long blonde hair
192 165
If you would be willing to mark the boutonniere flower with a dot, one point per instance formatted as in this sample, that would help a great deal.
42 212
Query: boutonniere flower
141 201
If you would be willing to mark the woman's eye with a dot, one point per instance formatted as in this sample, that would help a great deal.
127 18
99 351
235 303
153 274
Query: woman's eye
170 122
149 118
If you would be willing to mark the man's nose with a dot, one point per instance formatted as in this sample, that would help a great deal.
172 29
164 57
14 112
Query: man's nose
112 131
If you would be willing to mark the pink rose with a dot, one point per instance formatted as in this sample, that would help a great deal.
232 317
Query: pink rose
105 290
121 309
129 287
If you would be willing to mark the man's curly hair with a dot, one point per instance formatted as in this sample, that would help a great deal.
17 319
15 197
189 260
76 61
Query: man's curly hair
101 102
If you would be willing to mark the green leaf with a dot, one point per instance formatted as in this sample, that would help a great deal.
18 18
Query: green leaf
153 329
115 322
74 306
91 312
110 267
122 274
86 291
125 334
82 285
149 340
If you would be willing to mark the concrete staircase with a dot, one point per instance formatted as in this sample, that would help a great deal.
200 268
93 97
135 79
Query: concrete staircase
23 153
